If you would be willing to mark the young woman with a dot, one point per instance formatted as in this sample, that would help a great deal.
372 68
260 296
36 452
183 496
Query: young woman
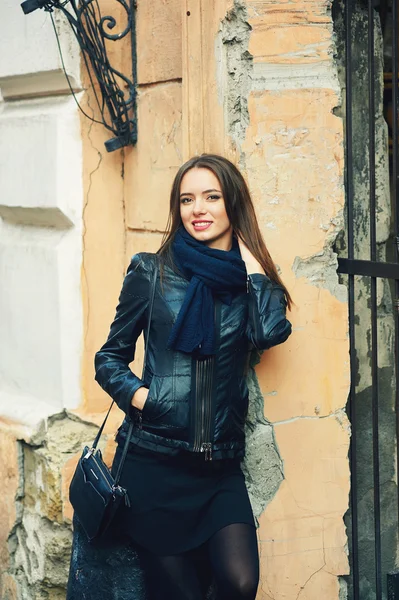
217 296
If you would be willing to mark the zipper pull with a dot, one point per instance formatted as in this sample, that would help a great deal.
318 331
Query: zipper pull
89 453
207 449
140 420
247 284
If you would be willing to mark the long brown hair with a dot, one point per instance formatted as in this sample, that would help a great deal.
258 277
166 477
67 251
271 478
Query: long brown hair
239 208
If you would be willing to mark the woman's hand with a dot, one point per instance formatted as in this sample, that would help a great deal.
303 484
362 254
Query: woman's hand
139 398
251 264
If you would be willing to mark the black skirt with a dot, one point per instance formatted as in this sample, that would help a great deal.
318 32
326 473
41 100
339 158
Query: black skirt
179 502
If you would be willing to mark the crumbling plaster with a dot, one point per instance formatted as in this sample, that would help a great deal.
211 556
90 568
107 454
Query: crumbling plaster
39 540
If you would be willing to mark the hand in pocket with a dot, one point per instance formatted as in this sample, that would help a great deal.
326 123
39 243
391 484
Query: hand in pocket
140 397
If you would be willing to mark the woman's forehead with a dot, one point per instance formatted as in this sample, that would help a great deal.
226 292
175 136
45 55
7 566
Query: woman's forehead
200 180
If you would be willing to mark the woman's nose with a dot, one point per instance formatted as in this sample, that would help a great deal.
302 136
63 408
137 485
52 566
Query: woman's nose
199 207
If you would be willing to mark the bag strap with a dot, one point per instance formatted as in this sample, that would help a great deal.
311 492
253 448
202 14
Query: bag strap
130 431
151 306
129 434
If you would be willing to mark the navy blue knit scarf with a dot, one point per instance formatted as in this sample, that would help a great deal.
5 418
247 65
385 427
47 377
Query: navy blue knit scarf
212 273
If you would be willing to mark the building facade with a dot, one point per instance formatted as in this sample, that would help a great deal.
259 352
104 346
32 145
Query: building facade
261 83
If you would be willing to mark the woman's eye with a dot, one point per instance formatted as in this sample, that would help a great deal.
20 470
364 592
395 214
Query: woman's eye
185 200
213 197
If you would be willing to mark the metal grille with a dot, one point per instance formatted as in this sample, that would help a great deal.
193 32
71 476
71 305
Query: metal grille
369 264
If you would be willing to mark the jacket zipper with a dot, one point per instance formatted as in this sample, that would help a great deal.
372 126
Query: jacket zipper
203 400
204 377
199 404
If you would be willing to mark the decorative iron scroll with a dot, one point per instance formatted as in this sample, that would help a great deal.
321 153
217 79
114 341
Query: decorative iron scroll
115 93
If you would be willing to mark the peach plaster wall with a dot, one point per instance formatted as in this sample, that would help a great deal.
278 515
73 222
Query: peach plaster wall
276 59
293 155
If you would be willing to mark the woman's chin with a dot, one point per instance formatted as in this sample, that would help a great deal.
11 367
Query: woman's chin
201 236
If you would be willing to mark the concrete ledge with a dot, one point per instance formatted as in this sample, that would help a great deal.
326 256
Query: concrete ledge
46 83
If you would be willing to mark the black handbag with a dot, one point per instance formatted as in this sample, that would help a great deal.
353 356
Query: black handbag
94 493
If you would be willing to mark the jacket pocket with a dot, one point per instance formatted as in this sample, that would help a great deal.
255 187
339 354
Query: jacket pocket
150 403
158 403
148 408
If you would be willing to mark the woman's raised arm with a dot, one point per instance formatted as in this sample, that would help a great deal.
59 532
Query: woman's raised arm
267 322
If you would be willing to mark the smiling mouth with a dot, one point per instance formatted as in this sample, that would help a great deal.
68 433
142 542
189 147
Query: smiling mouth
200 225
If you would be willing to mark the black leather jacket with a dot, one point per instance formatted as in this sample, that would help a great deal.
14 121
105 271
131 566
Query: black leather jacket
195 405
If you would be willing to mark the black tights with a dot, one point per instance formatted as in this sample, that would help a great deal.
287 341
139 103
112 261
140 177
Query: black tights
230 556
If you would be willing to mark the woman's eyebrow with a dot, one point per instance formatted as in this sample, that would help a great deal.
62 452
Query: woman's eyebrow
204 192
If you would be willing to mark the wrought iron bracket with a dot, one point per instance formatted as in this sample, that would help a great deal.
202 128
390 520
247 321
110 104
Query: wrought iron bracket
115 92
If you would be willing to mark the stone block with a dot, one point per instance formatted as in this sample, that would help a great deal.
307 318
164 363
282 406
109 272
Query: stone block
41 486
287 375
30 63
41 182
320 585
335 538
151 166
304 519
286 35
41 557
274 43
9 477
104 248
299 197
40 308
286 13
204 81
323 443
159 44
142 241
293 189
8 588
40 257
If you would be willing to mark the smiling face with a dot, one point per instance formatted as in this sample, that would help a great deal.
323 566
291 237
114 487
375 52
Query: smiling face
202 209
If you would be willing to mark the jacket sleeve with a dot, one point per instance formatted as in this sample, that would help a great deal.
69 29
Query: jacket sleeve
267 323
113 359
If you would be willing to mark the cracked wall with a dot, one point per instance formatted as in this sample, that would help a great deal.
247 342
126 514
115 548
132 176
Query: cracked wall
228 77
385 318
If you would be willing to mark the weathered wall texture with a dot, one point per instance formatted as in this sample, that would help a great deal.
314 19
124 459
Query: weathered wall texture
254 81
292 152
